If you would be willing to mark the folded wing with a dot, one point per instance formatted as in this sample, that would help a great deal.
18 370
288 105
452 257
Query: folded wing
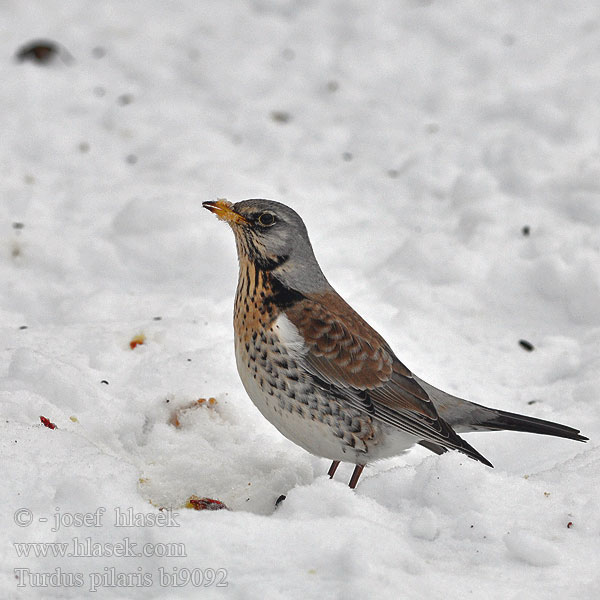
350 360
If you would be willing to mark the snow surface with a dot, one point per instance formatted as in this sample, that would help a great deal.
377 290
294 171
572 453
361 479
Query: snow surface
416 139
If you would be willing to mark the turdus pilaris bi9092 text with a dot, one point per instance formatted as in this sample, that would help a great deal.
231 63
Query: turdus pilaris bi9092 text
319 372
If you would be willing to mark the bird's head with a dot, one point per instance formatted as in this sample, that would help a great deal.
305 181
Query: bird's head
273 237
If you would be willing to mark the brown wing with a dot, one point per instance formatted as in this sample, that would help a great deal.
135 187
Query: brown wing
347 352
348 358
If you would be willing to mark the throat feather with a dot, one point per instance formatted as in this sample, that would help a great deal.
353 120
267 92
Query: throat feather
261 297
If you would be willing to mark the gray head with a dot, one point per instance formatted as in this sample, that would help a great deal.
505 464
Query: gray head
274 238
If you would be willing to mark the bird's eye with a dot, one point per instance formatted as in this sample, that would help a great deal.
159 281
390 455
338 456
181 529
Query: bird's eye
266 219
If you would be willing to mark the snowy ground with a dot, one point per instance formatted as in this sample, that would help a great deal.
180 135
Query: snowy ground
416 139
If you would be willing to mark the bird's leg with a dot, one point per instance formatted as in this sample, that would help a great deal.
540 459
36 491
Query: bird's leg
358 469
333 468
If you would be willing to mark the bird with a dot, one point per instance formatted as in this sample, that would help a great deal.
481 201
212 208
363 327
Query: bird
319 372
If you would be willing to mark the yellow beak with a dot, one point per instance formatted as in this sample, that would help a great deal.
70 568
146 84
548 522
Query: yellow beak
224 211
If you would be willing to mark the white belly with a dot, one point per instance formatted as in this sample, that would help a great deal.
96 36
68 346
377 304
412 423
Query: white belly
315 436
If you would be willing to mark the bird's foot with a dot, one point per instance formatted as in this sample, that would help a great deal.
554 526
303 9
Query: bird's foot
333 468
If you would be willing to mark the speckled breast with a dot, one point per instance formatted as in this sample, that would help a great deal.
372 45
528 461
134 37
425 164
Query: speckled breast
277 384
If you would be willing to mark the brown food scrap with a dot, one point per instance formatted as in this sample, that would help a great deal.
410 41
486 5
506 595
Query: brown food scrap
204 503
209 402
137 340
43 52
570 524
40 51
174 420
47 423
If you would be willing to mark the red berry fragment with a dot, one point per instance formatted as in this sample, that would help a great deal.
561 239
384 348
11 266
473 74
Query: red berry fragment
205 504
47 423
137 340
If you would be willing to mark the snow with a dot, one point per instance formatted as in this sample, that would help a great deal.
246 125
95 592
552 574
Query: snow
416 139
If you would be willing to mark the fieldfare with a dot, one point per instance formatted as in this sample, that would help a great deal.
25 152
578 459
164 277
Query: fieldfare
319 372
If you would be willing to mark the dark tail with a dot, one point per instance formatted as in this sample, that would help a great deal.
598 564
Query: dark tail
462 446
464 416
514 422
500 420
